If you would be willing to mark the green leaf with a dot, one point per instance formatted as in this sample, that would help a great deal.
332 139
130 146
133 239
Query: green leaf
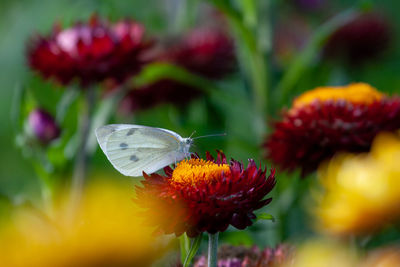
158 71
265 216
193 250
237 238
184 243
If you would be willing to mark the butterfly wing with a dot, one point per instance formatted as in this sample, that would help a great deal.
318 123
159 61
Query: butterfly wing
132 149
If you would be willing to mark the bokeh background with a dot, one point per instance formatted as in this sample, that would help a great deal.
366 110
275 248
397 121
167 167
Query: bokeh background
291 38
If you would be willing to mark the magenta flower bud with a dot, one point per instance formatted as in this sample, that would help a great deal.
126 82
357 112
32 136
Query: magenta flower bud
43 126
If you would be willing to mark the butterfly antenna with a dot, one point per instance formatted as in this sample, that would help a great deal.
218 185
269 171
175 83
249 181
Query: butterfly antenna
192 134
210 135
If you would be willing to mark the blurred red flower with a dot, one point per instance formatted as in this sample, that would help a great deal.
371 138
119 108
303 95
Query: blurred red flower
327 120
204 51
363 38
205 195
90 52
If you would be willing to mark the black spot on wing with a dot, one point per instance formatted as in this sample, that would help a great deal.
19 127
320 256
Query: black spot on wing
123 146
130 132
134 158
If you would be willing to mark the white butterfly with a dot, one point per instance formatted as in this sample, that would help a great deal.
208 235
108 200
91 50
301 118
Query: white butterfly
133 149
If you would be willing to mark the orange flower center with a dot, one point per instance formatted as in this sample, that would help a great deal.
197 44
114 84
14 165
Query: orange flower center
356 93
194 171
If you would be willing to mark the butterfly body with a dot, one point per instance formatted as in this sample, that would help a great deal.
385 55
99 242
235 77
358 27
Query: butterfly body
134 149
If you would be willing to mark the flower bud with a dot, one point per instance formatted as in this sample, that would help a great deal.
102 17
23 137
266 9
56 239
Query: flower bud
43 126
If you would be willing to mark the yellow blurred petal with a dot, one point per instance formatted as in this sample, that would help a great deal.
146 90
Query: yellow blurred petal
107 231
318 253
361 192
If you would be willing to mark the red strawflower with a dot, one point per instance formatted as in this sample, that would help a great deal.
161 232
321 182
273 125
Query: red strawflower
205 195
328 120
363 38
90 52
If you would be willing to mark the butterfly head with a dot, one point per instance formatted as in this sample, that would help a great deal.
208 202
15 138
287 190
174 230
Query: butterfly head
185 145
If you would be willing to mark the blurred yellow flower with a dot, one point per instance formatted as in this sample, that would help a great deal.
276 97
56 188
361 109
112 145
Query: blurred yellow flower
361 192
328 253
356 93
106 231
320 253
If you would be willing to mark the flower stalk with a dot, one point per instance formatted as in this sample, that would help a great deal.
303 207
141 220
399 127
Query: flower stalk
212 250
80 170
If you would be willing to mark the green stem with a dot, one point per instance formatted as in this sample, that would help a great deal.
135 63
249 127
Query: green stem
80 170
46 183
249 13
212 250
258 69
253 58
47 195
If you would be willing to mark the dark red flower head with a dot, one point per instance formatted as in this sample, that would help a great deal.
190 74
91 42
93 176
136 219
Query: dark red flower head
206 52
205 195
43 126
328 120
90 52
363 38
